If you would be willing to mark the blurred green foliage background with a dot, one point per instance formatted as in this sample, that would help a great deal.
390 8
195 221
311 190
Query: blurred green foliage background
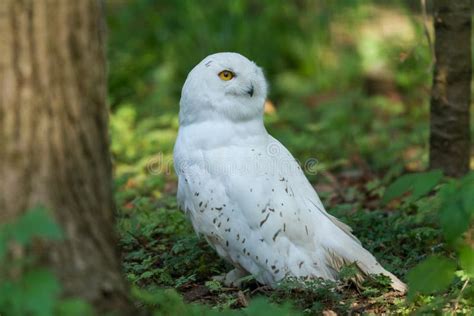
349 85
349 80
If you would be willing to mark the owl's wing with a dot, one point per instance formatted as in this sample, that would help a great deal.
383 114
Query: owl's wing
327 239
257 209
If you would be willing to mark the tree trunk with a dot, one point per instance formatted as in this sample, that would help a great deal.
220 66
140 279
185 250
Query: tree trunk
54 138
451 94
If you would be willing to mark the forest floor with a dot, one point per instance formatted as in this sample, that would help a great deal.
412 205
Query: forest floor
162 251
357 100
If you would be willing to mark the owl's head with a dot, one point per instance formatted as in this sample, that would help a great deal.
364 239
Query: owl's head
223 86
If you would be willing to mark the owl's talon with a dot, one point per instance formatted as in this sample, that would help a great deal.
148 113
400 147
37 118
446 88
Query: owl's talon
231 278
219 278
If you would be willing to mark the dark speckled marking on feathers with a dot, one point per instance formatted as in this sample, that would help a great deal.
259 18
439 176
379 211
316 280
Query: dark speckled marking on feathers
263 221
276 234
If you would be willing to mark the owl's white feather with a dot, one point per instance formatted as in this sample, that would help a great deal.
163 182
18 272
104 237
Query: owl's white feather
243 190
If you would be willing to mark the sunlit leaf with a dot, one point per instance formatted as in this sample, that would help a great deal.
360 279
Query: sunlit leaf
466 259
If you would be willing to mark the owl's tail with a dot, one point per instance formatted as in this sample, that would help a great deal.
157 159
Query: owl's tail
346 250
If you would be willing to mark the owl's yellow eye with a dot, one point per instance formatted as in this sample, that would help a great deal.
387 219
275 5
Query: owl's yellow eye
226 75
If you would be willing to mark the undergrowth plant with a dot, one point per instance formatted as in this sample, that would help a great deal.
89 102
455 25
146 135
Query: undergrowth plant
443 280
26 287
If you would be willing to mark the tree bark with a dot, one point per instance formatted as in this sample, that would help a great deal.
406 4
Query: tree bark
54 147
451 93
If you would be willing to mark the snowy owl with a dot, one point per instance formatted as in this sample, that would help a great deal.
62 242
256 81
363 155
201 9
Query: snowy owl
243 190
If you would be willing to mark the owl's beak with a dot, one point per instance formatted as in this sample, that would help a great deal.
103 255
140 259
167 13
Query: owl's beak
250 91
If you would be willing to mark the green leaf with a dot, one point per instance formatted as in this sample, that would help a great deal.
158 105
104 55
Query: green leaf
74 307
468 194
418 184
432 275
213 285
401 186
466 259
36 222
146 275
35 293
41 292
453 219
10 298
